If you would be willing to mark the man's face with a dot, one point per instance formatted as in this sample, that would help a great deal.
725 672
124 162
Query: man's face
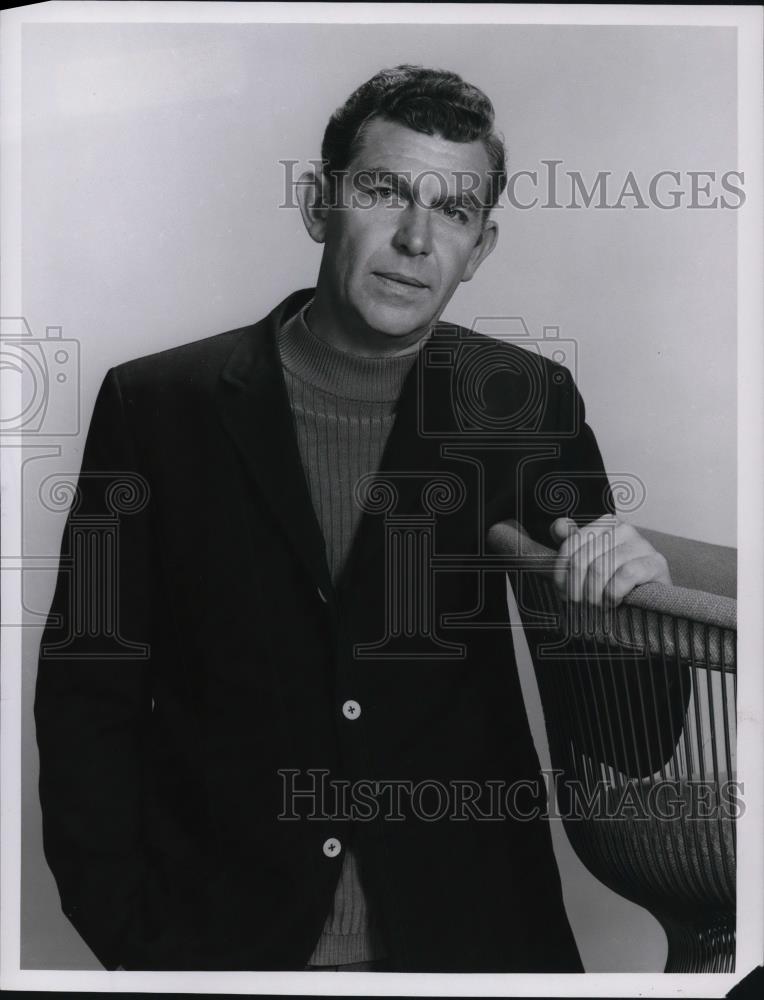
413 230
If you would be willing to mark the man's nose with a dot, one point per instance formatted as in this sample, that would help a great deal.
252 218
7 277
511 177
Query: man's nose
413 234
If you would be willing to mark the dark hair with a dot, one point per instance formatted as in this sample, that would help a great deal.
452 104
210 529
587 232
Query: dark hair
432 101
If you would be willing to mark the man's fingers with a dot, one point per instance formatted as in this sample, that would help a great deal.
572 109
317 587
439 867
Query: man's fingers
649 568
600 571
604 560
588 563
572 536
581 547
564 529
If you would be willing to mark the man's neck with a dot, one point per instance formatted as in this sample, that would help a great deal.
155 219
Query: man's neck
358 339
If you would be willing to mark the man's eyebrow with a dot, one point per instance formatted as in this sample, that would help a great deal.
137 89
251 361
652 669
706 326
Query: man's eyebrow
403 181
469 201
385 173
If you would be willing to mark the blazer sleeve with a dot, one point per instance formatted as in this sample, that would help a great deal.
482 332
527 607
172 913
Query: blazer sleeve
93 701
569 477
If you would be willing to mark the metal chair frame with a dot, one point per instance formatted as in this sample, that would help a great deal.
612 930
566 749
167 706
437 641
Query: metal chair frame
640 701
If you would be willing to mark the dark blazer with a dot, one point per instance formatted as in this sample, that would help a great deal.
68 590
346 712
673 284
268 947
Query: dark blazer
197 658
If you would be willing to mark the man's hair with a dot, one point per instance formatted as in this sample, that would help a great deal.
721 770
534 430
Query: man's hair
432 101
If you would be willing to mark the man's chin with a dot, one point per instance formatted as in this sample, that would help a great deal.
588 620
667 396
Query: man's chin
397 323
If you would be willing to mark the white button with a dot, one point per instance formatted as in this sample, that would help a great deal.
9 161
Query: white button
322 595
351 709
332 847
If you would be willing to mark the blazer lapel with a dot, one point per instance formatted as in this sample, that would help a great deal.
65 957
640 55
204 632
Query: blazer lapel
254 406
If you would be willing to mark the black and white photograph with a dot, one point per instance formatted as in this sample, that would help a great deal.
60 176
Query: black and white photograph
381 445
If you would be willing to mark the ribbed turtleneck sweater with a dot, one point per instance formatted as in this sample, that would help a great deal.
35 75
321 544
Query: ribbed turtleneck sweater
343 408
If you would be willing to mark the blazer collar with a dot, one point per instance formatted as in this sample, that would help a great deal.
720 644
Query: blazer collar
254 406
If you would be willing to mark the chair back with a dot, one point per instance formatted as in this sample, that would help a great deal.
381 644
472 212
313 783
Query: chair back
639 705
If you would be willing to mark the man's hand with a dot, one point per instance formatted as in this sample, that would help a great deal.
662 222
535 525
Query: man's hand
603 561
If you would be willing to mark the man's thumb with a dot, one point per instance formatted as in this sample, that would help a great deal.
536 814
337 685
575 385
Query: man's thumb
562 528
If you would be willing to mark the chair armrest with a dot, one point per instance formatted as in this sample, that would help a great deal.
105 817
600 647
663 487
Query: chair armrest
672 614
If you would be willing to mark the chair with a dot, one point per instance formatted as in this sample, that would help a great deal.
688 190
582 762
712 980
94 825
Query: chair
639 705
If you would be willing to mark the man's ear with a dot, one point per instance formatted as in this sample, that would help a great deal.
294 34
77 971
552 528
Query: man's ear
483 246
311 191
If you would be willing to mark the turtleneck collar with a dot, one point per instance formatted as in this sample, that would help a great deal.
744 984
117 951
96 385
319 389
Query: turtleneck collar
341 373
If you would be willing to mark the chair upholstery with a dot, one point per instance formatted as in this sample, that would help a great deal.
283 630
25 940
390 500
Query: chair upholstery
639 706
697 565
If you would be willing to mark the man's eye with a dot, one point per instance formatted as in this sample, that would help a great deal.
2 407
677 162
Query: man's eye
452 212
384 192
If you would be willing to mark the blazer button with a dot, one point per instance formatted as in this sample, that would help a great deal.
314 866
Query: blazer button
351 710
332 847
322 595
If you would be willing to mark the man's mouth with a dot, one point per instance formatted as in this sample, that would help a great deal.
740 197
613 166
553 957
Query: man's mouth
400 279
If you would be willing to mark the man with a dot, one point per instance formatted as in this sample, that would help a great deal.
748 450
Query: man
272 633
